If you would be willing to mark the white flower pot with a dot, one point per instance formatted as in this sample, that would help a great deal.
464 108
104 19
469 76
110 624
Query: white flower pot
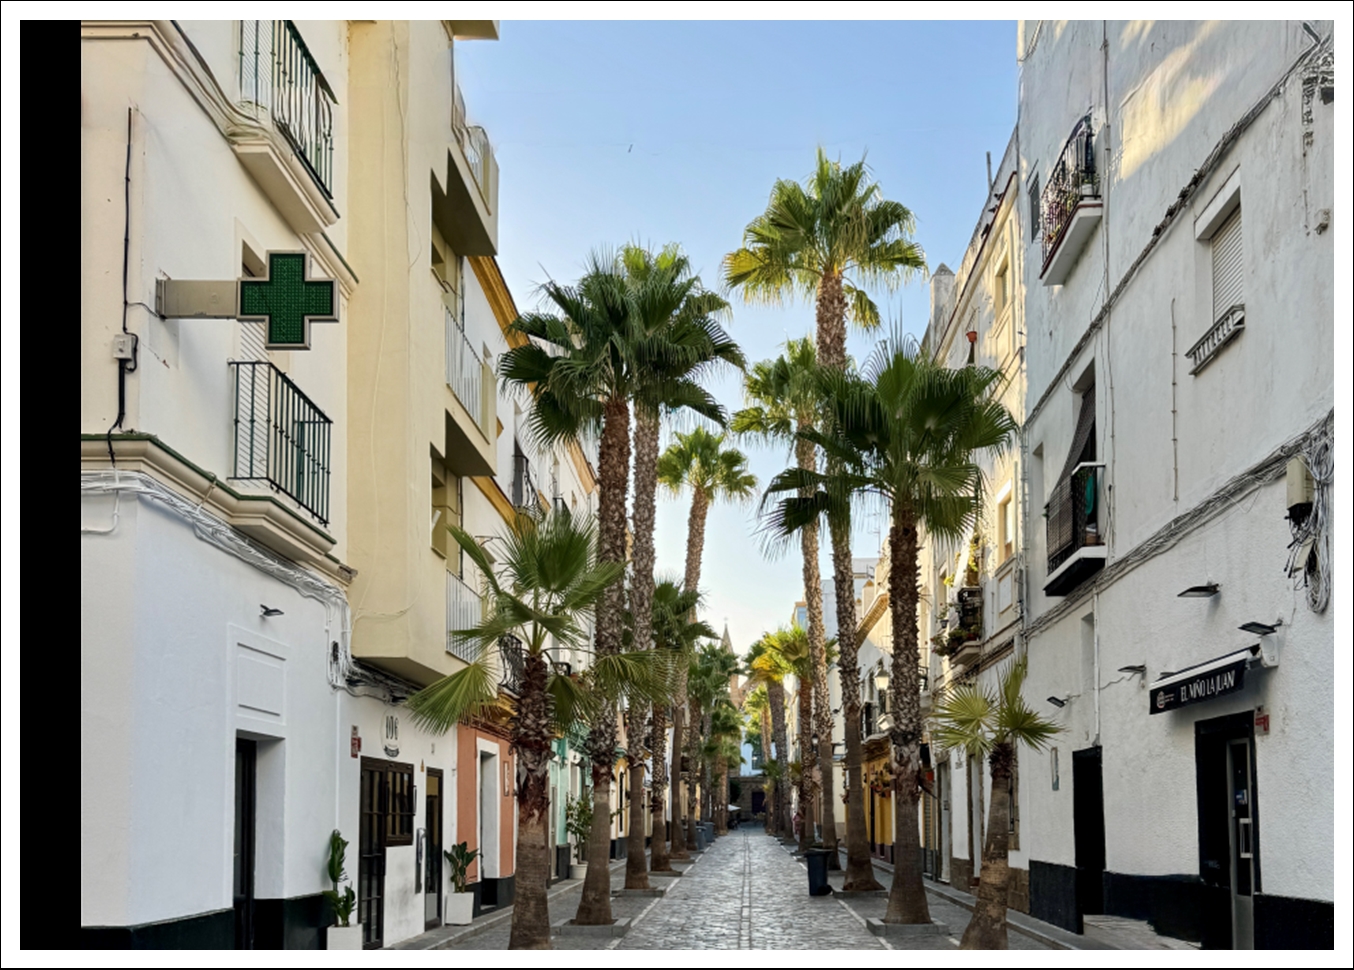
460 908
578 870
344 937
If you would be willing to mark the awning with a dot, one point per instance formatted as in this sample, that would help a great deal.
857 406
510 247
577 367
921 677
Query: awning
1203 681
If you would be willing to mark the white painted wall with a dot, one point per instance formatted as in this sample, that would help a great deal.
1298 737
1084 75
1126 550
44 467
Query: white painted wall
1173 90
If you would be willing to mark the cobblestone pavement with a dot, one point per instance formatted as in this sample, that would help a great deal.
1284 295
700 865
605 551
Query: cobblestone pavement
747 892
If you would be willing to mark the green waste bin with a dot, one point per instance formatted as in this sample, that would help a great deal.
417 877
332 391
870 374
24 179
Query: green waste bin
817 863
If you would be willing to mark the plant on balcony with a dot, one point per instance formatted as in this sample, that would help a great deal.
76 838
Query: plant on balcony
992 724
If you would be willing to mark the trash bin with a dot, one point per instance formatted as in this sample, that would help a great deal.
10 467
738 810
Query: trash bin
816 860
700 838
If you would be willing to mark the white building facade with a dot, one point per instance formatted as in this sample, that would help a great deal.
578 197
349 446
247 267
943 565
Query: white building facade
266 573
1178 182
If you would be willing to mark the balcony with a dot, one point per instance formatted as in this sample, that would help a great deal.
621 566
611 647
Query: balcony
469 434
1071 205
465 610
511 665
293 160
465 203
524 495
1076 548
281 437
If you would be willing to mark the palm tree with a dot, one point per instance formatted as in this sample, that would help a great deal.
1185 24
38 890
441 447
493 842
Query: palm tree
675 632
699 461
551 582
770 668
725 735
992 724
708 685
681 341
827 241
905 432
580 368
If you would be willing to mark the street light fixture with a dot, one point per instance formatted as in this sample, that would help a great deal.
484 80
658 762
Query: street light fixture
881 678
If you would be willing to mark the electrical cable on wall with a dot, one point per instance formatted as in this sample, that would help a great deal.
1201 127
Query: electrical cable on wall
1311 533
344 673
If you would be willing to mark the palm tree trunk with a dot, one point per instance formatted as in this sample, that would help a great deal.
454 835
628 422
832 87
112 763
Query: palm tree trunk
695 545
613 476
594 909
641 609
807 759
658 846
677 832
692 770
907 895
859 869
831 351
987 928
722 806
775 695
530 914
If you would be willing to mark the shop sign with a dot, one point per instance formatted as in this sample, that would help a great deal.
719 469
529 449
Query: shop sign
1217 678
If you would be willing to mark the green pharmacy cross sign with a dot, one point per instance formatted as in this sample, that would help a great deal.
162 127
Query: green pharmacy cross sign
287 300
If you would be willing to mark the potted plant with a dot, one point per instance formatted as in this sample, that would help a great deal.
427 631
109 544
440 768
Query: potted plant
342 935
461 901
578 823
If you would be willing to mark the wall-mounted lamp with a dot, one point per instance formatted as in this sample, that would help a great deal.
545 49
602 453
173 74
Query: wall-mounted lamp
881 678
269 610
1261 629
1200 592
1057 702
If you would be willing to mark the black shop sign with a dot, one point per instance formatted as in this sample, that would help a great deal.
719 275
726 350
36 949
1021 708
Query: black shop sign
1207 681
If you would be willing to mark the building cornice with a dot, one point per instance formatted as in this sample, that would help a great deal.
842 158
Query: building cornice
491 490
264 518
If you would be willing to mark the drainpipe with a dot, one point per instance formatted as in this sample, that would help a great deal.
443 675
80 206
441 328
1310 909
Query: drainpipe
1095 635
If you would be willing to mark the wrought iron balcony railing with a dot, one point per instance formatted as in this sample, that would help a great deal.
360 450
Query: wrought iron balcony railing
1073 180
512 665
281 437
1073 513
278 73
465 609
465 371
474 142
523 486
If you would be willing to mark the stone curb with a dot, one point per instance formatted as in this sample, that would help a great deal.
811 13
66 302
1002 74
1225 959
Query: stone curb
906 930
486 923
567 927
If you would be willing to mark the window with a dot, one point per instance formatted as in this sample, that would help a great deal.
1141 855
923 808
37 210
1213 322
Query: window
1006 528
1034 208
446 510
1218 227
1227 277
1002 286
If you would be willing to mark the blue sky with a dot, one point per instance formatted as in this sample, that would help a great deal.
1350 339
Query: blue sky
658 132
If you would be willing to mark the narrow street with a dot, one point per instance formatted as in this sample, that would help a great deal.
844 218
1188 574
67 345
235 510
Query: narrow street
745 892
